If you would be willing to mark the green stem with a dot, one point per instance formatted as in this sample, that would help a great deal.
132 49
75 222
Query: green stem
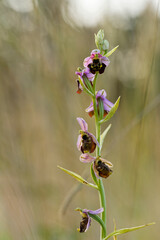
98 153
103 204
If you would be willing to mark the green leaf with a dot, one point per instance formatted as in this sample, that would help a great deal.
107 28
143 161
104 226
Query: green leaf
111 112
103 135
78 177
112 51
126 230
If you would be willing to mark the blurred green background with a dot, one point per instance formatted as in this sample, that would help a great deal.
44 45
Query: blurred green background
40 51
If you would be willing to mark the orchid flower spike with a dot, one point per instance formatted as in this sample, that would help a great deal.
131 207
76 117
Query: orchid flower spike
96 62
86 141
101 100
86 219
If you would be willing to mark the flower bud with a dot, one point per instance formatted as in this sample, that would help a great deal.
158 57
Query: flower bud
99 39
101 43
105 45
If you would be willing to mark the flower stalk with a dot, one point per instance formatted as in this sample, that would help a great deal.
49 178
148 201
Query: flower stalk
103 110
98 154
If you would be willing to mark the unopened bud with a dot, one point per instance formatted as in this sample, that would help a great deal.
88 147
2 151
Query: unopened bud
79 69
101 43
105 45
99 39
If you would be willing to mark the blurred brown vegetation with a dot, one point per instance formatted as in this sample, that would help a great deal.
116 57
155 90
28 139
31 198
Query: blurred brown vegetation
39 53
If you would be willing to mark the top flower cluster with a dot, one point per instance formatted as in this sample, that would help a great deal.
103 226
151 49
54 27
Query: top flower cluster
95 63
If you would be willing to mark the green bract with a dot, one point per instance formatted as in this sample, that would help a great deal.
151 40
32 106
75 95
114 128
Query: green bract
111 51
78 177
103 135
111 112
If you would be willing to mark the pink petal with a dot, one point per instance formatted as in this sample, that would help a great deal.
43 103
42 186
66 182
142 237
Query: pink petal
95 212
110 104
79 142
107 105
83 124
90 76
95 51
101 93
90 108
86 158
87 61
105 60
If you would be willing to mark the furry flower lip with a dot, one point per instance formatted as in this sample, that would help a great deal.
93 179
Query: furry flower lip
84 74
107 105
86 219
101 167
96 62
86 141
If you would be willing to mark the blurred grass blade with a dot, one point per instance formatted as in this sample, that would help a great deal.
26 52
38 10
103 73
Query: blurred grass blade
114 237
78 177
111 112
112 51
126 230
103 135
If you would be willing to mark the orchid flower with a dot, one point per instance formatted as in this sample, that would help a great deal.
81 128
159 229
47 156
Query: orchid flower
96 62
86 141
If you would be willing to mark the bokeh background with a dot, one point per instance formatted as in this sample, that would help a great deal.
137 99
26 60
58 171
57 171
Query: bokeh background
41 45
